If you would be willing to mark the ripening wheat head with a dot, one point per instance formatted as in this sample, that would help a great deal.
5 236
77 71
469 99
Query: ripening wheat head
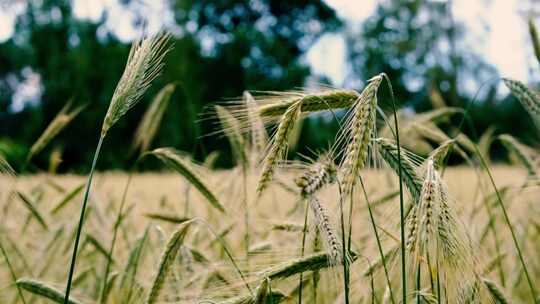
528 98
144 64
319 174
357 134
149 125
277 149
439 249
60 121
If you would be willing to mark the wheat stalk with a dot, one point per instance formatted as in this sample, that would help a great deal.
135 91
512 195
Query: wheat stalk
144 64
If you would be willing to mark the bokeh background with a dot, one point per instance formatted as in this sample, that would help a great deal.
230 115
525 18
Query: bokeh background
455 51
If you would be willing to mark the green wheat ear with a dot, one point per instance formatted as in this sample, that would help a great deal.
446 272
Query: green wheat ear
144 64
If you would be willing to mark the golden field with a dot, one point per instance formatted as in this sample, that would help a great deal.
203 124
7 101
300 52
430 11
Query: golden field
42 250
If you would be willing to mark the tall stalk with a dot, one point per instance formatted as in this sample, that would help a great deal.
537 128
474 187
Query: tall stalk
379 246
103 295
508 224
401 203
81 219
12 273
304 232
343 246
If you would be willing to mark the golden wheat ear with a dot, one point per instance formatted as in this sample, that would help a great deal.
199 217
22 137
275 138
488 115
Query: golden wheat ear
62 119
44 290
278 145
357 134
144 64
149 125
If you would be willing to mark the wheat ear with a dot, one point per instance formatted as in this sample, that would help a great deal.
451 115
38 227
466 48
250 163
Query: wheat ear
149 125
144 64
278 145
358 133
496 292
320 174
43 290
533 32
259 137
231 128
528 98
167 258
62 119
328 233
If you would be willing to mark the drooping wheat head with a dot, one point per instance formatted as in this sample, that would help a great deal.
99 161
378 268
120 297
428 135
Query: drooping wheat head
321 173
328 233
278 145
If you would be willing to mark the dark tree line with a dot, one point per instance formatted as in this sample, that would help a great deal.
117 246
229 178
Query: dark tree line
253 45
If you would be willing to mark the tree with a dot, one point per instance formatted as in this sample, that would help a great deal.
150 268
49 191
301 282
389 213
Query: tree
220 49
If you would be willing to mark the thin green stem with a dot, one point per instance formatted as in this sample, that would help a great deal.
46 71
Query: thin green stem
401 203
377 237
344 250
304 232
227 252
103 296
508 224
351 204
246 210
81 220
12 273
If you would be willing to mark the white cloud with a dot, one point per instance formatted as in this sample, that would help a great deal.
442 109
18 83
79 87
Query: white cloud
327 57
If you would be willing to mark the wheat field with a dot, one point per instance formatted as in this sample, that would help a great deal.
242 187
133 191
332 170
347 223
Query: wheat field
44 249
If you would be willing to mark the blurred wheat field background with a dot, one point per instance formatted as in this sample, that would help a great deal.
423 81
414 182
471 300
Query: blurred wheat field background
159 202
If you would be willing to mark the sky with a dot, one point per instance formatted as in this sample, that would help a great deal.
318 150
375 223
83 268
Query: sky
495 28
